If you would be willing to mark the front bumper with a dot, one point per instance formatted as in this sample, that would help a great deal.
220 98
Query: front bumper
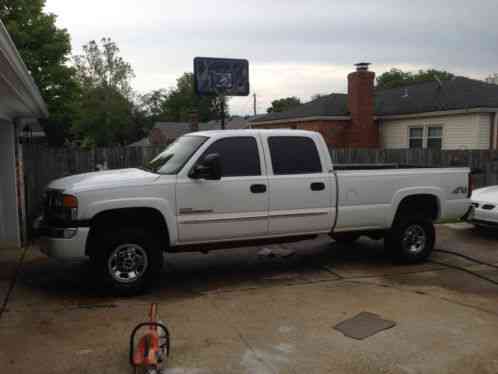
483 217
64 244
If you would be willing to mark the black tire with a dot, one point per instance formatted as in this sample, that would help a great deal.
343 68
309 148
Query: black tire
136 257
345 237
411 240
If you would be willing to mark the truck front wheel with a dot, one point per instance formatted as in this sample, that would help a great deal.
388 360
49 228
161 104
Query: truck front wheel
130 259
411 240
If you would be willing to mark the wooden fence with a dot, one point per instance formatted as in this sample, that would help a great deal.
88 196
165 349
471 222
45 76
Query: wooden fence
43 164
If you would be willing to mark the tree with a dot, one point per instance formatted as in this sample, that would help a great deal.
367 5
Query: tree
150 108
107 114
399 78
45 49
317 96
101 66
152 103
182 100
281 105
493 78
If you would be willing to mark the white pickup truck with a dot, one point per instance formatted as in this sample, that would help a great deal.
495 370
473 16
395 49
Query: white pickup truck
220 189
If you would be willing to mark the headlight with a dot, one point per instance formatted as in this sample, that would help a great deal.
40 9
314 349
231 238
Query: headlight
60 208
70 207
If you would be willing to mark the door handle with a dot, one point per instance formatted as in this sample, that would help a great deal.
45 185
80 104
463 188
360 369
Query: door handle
258 188
317 186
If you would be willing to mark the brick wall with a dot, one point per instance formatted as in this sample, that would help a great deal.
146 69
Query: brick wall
332 131
156 137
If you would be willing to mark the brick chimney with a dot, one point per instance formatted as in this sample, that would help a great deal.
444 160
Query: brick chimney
364 132
194 121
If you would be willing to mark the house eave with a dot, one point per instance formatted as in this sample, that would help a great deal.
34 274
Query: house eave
15 76
301 119
441 113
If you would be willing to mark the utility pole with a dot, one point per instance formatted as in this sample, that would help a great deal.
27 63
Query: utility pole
254 103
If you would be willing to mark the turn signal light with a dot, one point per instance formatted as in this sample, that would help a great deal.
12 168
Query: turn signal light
69 201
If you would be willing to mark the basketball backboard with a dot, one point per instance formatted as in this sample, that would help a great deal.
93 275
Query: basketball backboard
221 76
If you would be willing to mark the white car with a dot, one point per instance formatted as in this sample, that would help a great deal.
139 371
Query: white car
484 211
219 189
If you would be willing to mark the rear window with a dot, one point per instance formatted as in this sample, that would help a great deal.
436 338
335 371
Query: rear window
294 155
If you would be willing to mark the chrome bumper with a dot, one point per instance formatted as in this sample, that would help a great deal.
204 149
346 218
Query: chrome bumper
64 244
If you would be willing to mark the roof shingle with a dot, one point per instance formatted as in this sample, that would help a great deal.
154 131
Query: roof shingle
456 93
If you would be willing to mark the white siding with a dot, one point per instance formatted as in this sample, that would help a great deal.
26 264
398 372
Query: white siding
465 131
484 130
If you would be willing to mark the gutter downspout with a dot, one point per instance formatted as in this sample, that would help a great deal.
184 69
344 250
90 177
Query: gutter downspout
494 132
20 187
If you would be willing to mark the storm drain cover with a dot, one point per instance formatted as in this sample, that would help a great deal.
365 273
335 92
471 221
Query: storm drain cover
364 325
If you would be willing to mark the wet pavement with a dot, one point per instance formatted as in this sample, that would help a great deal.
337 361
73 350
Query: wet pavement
254 310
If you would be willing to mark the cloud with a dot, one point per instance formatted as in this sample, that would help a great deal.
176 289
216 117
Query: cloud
295 48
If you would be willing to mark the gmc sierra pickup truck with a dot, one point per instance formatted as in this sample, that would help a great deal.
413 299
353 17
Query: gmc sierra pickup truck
222 189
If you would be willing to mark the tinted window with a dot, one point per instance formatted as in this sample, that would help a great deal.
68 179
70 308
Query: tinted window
294 155
239 156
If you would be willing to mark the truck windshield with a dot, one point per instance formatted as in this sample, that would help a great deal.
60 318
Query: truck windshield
176 155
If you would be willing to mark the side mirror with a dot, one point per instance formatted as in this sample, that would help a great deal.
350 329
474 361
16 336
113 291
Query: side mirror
208 168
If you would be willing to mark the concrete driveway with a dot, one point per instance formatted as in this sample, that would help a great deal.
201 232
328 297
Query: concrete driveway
252 311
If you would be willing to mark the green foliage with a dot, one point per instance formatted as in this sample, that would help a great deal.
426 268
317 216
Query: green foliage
399 78
493 78
45 49
182 100
101 66
317 96
106 118
281 105
107 115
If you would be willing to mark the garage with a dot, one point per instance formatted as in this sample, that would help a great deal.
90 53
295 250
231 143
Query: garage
20 105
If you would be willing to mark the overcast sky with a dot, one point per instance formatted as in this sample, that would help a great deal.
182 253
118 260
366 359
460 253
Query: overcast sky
295 47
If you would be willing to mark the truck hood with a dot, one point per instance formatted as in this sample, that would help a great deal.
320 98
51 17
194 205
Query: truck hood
486 195
104 179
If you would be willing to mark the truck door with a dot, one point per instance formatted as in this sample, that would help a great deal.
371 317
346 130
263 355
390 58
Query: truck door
302 191
234 207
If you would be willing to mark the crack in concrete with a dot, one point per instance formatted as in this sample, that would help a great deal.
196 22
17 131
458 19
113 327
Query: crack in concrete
402 289
13 282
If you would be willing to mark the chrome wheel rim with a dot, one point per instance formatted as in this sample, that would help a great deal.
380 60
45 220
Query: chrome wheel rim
414 239
127 263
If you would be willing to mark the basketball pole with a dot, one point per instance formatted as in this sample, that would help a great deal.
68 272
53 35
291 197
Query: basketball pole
222 97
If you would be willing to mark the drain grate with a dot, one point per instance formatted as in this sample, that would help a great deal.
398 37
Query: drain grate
364 325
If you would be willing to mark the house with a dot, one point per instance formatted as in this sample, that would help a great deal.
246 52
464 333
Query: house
460 113
20 105
33 133
166 132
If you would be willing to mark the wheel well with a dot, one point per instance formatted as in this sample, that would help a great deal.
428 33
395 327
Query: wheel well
424 205
110 220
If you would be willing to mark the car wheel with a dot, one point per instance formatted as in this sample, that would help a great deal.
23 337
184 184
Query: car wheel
345 237
131 259
411 241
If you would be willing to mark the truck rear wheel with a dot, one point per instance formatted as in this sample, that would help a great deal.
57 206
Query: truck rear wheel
129 261
411 240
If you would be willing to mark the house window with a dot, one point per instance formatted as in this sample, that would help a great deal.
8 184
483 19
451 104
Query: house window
435 137
426 137
416 137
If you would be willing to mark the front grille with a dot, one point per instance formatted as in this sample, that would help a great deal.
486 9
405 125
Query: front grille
52 208
488 207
